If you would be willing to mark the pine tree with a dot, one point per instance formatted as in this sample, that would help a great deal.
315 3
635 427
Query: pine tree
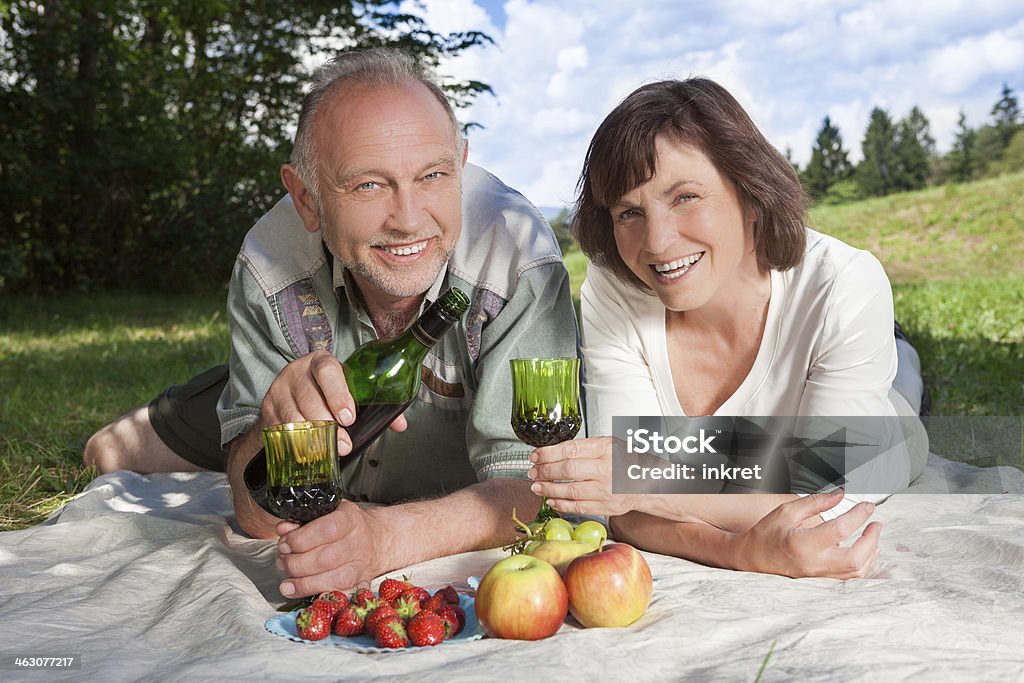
829 162
960 160
1006 115
878 171
914 146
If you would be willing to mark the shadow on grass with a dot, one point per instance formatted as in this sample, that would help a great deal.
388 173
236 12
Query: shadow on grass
971 376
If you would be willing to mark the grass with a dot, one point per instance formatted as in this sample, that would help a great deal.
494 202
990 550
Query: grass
70 364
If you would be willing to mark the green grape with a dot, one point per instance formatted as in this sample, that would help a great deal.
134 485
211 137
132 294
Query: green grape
556 533
560 523
590 532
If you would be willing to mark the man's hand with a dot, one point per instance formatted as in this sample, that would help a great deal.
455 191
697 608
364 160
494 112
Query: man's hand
351 546
784 543
338 551
313 388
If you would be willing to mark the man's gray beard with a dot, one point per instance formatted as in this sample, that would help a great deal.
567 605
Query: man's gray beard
385 280
379 276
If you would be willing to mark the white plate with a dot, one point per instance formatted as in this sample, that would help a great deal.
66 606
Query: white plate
284 625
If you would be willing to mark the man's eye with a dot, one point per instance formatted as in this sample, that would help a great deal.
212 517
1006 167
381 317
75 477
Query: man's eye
434 176
368 185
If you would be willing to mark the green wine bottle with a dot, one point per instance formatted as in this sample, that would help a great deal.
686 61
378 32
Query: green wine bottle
383 377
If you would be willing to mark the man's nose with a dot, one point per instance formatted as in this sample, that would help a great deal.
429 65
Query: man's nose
407 211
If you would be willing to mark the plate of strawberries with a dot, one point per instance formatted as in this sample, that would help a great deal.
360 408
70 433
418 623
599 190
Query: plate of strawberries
398 617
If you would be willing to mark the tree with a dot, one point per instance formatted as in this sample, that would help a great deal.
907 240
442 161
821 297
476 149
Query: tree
140 139
1006 116
960 163
560 226
915 148
877 173
829 162
993 139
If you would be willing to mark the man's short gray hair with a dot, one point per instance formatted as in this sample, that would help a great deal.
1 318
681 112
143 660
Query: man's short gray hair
375 68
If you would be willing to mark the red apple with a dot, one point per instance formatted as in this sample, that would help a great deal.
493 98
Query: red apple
522 598
611 586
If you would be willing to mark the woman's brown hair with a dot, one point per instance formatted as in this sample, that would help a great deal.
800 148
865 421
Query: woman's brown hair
700 113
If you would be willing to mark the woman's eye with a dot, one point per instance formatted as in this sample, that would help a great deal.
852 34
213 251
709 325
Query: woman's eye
685 197
626 215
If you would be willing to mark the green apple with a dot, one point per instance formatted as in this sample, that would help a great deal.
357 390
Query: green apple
559 553
521 597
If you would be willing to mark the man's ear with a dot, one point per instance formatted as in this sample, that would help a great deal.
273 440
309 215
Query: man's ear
465 151
301 197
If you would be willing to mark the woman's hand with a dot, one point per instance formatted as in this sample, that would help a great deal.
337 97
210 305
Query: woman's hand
576 476
784 543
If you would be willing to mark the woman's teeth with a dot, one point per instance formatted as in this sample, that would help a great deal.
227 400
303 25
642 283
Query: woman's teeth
406 251
678 267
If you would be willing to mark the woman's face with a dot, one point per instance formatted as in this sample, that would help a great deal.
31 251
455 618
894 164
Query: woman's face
684 233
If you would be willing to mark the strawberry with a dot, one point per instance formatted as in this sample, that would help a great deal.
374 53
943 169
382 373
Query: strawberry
330 603
350 621
451 596
455 617
392 634
426 628
390 589
378 614
433 603
415 593
406 607
364 597
312 624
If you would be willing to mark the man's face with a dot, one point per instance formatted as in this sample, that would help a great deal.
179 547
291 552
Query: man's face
390 170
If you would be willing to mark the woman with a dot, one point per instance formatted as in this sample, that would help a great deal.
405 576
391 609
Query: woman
707 295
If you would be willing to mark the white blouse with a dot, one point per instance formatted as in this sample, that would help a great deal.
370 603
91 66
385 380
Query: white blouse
827 350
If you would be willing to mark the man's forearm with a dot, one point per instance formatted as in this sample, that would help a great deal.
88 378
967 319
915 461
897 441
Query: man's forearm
253 519
473 518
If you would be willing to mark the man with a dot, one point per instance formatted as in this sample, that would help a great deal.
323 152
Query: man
383 215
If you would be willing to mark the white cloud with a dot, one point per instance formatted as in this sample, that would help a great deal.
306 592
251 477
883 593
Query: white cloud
560 66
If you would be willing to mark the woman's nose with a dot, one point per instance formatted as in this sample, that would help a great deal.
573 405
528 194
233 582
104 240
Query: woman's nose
660 234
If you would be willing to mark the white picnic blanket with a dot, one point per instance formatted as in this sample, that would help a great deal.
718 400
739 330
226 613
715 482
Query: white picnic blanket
146 578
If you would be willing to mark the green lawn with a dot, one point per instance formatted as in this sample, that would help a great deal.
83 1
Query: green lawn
69 364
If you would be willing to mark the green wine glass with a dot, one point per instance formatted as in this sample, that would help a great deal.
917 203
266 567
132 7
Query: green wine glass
304 480
545 404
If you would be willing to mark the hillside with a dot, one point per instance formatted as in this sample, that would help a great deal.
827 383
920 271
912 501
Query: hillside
940 233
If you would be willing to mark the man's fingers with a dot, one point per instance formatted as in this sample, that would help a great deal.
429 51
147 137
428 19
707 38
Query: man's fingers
321 530
329 379
343 578
400 424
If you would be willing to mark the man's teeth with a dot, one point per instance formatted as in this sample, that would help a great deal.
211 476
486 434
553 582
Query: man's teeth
406 251
678 267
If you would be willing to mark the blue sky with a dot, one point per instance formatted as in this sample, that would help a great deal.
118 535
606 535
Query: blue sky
560 66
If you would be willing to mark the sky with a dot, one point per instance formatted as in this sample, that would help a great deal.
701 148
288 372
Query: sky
559 66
